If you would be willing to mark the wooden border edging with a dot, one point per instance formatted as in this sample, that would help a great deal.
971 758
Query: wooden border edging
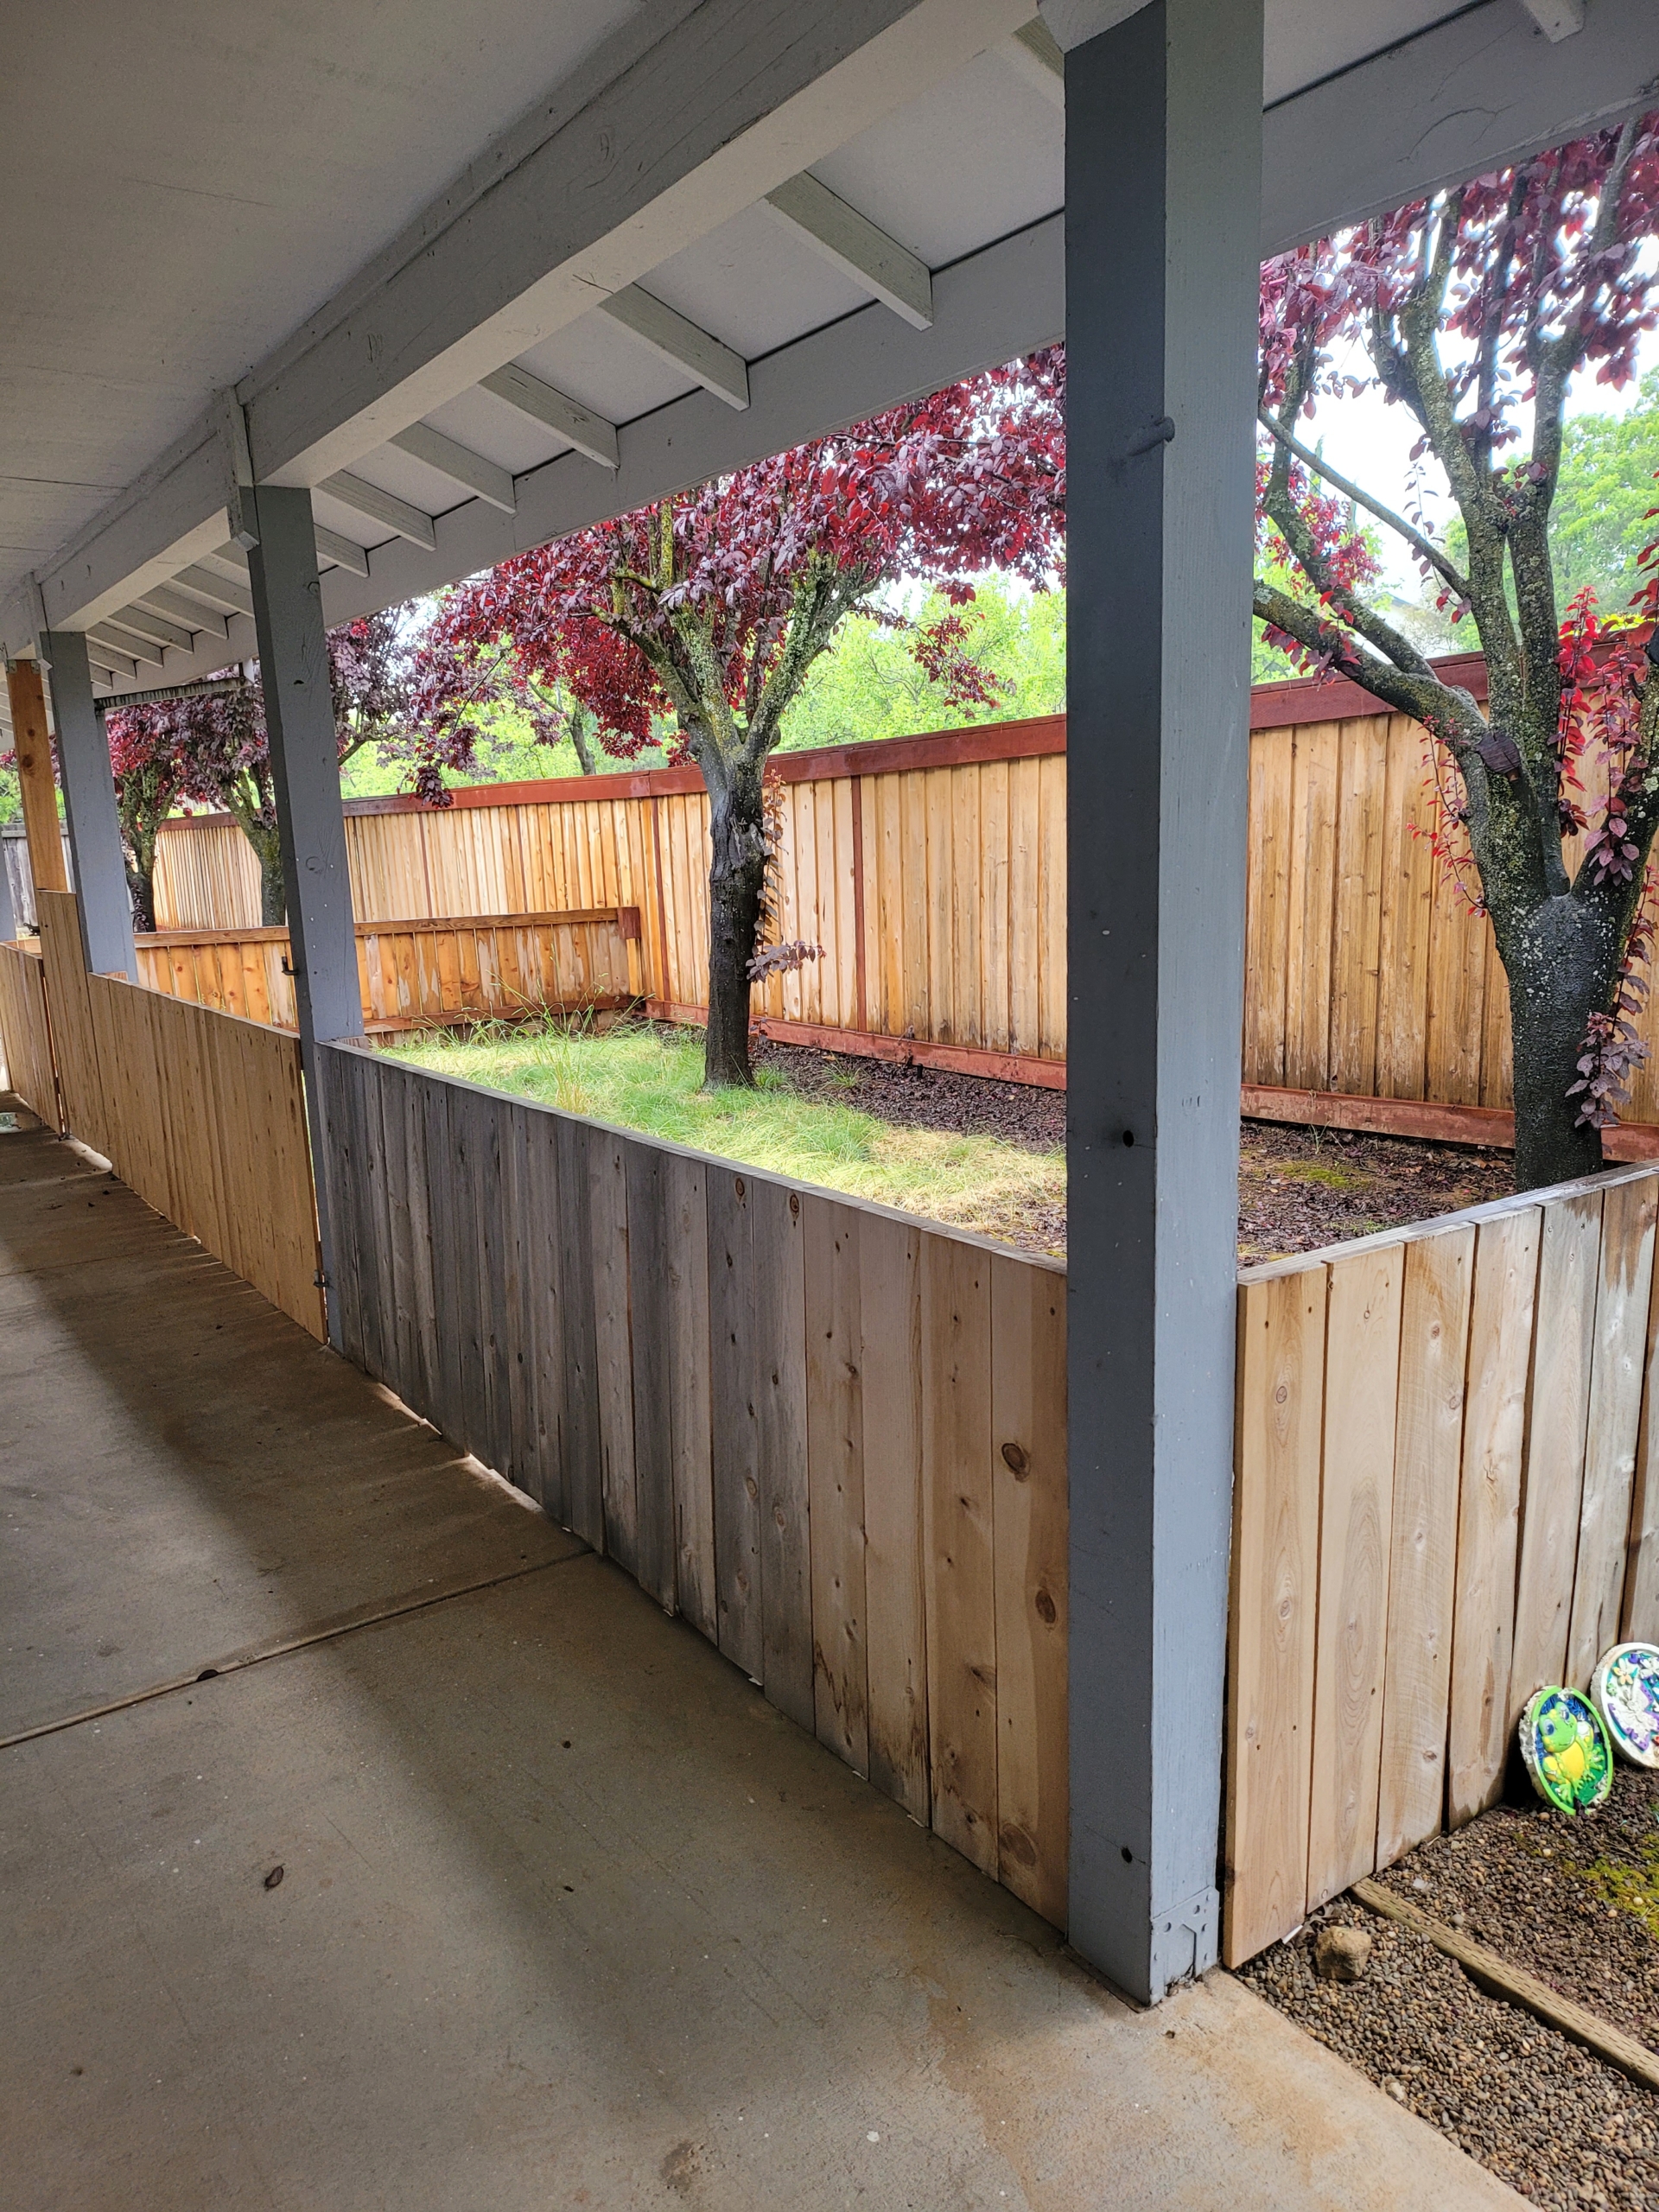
864 1043
1495 1974
1417 1117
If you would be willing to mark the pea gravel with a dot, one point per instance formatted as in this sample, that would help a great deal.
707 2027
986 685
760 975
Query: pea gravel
1558 2126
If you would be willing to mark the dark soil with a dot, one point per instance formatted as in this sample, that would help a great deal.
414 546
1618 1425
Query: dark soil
1562 2127
1575 1900
1299 1189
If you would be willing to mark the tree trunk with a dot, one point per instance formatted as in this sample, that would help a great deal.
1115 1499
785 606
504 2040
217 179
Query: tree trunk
141 890
1562 967
273 891
737 882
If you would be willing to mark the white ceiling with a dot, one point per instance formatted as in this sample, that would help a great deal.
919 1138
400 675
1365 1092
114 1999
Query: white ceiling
185 185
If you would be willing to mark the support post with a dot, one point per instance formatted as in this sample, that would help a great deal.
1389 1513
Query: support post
102 897
1162 211
310 817
33 747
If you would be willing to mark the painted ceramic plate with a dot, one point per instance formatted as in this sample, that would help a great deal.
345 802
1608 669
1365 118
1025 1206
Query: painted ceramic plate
1626 1690
1565 1749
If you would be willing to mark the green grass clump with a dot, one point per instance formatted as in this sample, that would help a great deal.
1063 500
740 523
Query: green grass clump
648 1078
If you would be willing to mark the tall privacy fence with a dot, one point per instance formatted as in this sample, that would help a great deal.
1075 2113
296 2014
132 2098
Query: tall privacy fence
1446 1496
933 872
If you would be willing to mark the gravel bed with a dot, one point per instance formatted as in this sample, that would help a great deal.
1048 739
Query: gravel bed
1299 1189
1573 1900
1558 2126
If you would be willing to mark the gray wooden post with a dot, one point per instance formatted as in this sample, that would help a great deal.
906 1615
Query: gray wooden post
102 900
1162 213
310 818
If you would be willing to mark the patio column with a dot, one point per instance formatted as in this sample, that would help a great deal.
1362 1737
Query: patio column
1162 211
310 818
32 748
102 900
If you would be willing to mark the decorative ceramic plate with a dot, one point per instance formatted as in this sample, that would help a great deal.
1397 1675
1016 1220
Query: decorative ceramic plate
1626 1690
1565 1749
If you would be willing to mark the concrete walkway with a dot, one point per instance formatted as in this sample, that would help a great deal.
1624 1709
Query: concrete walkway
567 1914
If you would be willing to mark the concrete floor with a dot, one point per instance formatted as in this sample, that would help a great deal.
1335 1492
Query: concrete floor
568 1916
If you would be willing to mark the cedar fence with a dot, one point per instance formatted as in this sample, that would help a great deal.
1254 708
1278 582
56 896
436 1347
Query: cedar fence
829 1435
1446 1496
417 974
933 872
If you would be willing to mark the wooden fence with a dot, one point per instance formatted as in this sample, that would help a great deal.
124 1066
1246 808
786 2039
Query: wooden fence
1446 1496
201 1114
933 872
30 1071
833 1437
414 974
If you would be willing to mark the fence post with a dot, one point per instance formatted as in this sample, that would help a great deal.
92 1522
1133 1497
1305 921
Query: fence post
1162 247
101 899
33 753
311 821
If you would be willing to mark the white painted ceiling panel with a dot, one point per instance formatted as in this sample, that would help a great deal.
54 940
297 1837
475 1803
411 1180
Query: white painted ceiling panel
502 434
753 286
605 368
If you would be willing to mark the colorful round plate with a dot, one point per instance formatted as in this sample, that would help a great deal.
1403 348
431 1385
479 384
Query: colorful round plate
1565 1749
1625 1691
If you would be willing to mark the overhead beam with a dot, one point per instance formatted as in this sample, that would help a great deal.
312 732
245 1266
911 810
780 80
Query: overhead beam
143 623
120 642
683 344
590 434
219 592
116 667
1471 95
344 552
852 243
1034 57
458 463
163 600
365 498
1557 19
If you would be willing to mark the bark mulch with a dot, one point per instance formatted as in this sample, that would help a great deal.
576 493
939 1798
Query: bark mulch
1560 2126
1299 1189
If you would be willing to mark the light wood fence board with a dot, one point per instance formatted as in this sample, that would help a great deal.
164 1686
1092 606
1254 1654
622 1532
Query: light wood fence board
1428 1449
834 1455
889 1299
1622 1295
26 1032
1031 1525
958 1522
1361 1380
1552 1488
1280 1424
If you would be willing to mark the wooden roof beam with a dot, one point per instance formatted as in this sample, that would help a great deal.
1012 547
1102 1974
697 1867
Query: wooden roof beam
590 434
459 464
675 339
399 517
874 262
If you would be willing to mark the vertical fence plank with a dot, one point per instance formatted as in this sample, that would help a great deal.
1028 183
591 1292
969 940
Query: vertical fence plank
580 1451
779 1389
1489 1509
1623 1292
957 1547
437 1160
835 1469
1274 1602
649 1302
686 1274
521 1432
890 1320
1362 1360
1030 1529
544 1312
1559 1407
735 1419
612 1349
1428 1449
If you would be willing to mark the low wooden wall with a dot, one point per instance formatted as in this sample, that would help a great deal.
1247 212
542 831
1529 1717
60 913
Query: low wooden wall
201 1114
416 974
27 1038
1446 1494
833 1437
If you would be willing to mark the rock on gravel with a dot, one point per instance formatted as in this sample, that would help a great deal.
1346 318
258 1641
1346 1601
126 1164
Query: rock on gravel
1341 1952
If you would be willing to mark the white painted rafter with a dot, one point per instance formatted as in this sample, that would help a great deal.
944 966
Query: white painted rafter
876 263
143 623
190 613
1034 57
221 592
344 552
122 642
681 343
366 498
458 463
1557 19
590 434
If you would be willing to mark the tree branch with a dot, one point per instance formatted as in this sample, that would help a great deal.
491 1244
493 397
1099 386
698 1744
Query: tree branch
1426 546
